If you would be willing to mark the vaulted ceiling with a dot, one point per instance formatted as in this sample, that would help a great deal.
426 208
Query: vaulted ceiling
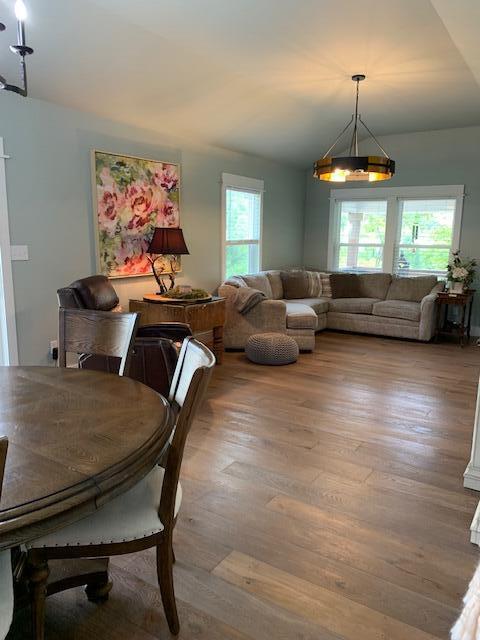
270 77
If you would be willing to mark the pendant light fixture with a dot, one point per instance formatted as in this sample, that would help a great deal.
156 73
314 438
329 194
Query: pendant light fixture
354 168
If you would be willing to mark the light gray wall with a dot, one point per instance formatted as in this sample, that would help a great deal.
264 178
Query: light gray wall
50 202
50 207
422 159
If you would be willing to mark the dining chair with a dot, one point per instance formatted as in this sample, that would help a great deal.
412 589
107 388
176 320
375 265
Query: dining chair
84 331
144 516
155 352
6 579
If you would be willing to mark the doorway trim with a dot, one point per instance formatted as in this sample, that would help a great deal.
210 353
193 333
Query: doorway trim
8 328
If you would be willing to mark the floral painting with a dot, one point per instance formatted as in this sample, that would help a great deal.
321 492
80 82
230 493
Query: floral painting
132 197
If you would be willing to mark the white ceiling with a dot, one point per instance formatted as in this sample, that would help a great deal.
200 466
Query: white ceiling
271 77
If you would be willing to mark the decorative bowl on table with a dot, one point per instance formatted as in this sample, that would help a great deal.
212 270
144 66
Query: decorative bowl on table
185 294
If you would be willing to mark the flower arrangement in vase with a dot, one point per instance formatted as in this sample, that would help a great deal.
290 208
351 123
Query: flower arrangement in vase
460 272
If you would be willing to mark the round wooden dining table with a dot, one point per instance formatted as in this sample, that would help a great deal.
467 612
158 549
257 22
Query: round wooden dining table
77 439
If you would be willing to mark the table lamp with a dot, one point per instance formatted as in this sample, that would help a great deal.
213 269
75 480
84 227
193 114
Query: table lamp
166 242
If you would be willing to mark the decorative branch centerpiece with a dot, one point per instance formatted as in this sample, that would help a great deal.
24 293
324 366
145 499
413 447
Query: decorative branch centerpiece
460 272
186 293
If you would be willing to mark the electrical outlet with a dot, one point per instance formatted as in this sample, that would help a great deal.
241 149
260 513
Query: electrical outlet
53 349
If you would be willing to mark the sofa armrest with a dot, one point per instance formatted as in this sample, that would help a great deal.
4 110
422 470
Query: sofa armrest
428 314
268 315
227 291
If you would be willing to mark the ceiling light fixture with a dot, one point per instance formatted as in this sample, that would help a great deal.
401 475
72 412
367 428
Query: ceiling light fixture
354 167
20 49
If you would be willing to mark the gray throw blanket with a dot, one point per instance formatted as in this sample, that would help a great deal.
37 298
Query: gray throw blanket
248 298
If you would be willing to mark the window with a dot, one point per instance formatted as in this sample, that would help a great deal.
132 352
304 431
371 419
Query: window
242 204
362 234
409 230
425 235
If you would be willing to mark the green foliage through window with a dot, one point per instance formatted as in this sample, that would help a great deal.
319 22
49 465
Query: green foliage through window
424 235
242 231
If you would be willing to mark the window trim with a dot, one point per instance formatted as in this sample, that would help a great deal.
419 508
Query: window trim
392 195
240 183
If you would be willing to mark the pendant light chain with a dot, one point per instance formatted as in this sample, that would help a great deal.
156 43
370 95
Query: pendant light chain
337 139
374 138
354 142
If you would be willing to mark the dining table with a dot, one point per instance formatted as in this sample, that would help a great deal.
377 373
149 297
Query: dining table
77 438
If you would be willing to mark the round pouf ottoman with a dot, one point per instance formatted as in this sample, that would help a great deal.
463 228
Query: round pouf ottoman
271 348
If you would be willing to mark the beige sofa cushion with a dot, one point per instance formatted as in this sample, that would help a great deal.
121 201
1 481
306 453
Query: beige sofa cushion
374 285
275 284
352 305
295 284
260 282
345 285
326 286
397 309
319 305
300 316
411 289
314 284
362 323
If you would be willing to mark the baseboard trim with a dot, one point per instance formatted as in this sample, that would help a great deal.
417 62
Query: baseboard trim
475 527
471 477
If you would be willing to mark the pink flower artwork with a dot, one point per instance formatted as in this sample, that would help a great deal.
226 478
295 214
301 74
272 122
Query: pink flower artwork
132 197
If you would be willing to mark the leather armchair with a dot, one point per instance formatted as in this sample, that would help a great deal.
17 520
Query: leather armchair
155 347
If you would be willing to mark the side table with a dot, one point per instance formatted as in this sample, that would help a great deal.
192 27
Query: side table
206 319
464 301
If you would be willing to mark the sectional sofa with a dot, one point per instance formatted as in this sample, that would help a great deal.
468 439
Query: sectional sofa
302 303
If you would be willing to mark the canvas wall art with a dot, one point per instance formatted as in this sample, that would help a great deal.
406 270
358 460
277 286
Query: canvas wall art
132 196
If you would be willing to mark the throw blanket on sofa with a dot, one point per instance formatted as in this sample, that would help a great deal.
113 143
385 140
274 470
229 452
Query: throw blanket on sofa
248 298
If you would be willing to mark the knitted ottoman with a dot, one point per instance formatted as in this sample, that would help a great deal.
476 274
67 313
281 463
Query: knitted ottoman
271 348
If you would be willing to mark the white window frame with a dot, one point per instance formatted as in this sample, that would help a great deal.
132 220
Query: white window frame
392 195
241 183
8 329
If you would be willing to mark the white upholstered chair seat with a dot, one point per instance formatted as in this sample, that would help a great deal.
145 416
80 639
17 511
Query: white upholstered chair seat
130 522
130 516
6 593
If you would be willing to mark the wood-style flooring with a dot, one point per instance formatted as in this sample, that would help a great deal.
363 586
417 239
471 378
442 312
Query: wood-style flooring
322 501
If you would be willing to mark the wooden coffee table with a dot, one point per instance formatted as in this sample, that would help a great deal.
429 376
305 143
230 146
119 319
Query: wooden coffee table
206 319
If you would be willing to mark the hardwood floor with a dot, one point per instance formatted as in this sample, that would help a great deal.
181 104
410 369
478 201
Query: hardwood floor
322 501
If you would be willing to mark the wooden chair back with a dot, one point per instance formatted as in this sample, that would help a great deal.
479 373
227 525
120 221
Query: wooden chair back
3 458
84 331
190 381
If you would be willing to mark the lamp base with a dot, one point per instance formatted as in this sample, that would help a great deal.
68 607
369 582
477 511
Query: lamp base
161 284
162 289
